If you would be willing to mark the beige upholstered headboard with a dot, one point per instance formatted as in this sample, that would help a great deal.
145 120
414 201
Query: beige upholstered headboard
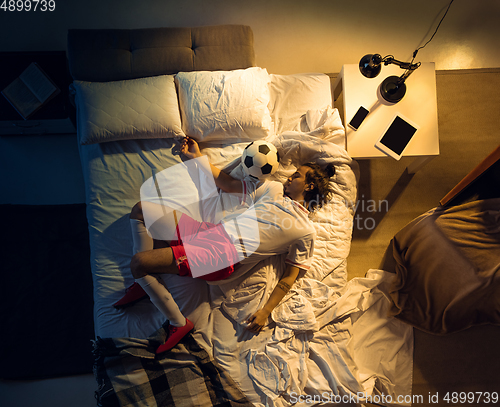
101 55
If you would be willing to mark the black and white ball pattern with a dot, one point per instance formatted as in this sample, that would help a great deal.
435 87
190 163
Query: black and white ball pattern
260 159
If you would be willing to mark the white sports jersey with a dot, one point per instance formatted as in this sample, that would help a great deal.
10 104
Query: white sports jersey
267 223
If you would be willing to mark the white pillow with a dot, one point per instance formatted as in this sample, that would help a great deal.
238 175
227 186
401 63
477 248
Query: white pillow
225 106
132 109
292 96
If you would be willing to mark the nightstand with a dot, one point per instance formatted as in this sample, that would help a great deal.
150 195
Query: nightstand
54 118
352 90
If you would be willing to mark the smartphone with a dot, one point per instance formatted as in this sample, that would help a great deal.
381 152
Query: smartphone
358 118
397 137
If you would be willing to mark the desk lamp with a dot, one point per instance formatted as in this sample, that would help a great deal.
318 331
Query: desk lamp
393 88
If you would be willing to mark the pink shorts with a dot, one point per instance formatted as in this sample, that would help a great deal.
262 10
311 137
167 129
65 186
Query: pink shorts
203 246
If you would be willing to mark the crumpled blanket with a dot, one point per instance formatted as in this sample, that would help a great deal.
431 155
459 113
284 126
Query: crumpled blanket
335 340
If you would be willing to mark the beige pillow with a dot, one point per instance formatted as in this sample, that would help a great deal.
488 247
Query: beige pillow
132 109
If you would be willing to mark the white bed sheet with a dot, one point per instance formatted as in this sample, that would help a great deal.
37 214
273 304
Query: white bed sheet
331 335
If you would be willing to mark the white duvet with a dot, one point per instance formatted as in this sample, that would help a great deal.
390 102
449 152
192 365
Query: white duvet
329 338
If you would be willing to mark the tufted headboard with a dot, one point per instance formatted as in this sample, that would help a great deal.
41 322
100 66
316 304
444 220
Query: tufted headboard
100 55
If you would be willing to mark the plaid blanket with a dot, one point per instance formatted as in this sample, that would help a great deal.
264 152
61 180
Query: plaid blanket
129 373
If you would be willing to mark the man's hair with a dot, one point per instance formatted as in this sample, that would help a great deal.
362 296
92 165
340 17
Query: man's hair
320 179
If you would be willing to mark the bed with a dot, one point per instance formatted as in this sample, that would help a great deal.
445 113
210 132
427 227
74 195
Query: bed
137 92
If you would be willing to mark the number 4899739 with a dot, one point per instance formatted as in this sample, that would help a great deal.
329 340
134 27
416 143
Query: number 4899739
28 5
471 397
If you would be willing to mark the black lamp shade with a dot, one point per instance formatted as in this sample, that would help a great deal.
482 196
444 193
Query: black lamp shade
393 89
370 65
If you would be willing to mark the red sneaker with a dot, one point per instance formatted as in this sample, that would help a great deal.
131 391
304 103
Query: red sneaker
174 335
132 294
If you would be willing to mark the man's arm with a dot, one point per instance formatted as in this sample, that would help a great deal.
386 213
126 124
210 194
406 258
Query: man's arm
222 180
258 320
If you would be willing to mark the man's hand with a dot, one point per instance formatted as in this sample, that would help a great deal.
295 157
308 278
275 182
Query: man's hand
257 321
225 182
190 148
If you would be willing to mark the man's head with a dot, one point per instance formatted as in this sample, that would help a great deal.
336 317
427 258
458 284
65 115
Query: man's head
310 185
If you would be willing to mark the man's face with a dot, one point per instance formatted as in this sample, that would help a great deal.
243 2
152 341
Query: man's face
295 185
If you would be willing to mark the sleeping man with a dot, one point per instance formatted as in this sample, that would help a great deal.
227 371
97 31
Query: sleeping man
272 219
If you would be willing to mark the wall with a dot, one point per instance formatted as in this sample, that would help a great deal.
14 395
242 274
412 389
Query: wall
291 36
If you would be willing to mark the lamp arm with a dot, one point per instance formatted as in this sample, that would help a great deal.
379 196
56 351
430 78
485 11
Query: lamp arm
389 59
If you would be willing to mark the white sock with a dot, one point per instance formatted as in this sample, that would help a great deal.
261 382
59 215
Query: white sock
162 299
142 241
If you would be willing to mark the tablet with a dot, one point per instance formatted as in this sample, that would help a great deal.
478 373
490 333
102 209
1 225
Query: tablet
397 137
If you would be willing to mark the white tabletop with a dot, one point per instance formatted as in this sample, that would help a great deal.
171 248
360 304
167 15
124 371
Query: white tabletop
419 106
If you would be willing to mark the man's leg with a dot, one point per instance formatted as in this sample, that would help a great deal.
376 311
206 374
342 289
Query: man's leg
152 223
155 261
179 326
142 242
144 265
147 261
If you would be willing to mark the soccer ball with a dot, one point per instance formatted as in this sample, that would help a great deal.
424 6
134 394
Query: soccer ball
260 159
